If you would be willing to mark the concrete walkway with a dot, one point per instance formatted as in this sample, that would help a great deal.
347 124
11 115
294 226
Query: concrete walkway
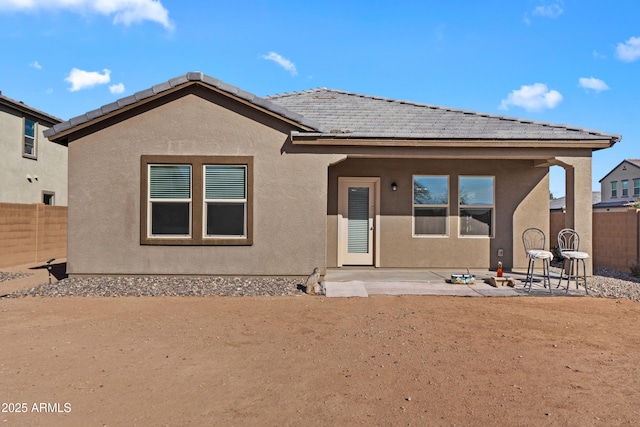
364 282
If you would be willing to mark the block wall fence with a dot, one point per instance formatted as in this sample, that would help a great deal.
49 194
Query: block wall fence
616 243
32 233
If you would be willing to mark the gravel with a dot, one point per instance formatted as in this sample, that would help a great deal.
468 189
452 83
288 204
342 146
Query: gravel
108 286
604 283
5 276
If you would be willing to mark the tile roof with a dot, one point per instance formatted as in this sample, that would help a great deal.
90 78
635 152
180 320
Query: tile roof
338 114
615 204
560 202
175 82
24 108
346 114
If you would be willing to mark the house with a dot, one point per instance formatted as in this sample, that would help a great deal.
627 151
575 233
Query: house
195 176
620 188
32 169
558 204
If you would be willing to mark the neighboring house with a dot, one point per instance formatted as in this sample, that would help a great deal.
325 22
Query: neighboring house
559 204
32 169
620 187
195 176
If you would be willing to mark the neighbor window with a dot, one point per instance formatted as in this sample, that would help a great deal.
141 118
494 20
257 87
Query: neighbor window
614 188
430 205
636 187
48 198
476 205
196 200
29 140
625 188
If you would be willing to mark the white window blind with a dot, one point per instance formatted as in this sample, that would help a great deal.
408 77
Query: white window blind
358 224
170 182
225 182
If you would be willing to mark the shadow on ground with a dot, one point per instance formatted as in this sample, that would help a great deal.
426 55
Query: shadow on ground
58 270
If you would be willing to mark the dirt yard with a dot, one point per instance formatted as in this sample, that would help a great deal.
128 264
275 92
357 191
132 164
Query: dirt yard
275 361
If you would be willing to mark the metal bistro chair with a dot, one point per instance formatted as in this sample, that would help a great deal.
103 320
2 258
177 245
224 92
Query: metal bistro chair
534 242
569 247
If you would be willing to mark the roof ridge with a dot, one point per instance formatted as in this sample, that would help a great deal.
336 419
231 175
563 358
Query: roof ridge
453 110
190 77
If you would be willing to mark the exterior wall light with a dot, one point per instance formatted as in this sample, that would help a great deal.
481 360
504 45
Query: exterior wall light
394 186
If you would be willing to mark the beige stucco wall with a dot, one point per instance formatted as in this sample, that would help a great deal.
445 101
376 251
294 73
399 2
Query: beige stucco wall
104 208
47 173
522 194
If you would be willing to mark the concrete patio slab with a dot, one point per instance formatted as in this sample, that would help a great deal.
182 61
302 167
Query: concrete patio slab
345 289
365 282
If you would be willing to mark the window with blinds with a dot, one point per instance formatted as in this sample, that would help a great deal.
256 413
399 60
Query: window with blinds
196 200
170 200
225 200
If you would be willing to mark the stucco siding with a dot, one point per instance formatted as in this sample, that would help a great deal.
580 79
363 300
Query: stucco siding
289 208
22 180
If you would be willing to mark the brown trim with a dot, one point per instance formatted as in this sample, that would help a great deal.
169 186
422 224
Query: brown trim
197 163
449 143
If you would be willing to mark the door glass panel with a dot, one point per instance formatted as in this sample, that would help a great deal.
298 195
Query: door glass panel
358 220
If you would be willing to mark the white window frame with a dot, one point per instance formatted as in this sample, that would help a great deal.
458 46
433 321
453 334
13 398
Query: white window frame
492 207
205 201
434 205
624 186
636 187
168 200
614 189
34 139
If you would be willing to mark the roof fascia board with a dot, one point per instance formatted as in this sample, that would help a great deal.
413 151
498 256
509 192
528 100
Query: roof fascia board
256 105
25 109
459 143
99 115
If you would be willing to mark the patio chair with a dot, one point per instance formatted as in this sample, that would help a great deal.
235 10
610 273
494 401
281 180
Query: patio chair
534 242
569 247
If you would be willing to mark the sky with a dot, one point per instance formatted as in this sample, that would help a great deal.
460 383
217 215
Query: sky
574 62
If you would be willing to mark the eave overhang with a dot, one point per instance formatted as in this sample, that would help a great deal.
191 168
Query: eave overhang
335 140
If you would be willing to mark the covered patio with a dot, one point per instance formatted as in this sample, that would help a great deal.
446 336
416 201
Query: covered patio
365 282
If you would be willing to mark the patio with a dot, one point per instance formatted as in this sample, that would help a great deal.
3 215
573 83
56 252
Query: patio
364 282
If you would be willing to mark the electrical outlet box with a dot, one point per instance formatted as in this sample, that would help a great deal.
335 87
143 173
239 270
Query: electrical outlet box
500 252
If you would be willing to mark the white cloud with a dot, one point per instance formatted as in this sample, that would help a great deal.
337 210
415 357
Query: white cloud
550 11
118 88
283 62
553 10
532 98
81 79
593 83
35 64
125 12
598 55
629 51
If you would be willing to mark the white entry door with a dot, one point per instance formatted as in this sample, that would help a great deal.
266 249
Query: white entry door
357 221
